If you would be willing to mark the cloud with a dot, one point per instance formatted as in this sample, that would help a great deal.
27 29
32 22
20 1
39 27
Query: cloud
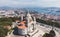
38 3
16 2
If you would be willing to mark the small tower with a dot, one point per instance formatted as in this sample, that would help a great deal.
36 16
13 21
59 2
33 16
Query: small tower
29 21
34 23
21 17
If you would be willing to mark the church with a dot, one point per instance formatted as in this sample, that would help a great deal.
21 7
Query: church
26 26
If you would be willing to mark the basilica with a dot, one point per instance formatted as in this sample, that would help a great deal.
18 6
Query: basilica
26 26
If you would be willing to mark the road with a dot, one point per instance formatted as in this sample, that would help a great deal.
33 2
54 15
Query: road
47 28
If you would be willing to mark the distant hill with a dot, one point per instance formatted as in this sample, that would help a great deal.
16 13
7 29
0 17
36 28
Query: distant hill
46 10
6 7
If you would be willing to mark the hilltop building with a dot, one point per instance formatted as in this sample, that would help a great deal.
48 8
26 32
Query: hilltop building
26 26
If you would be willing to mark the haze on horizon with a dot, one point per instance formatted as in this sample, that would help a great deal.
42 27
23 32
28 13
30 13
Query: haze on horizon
32 3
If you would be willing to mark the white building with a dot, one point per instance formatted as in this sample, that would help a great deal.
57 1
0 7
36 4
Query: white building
2 13
10 13
29 27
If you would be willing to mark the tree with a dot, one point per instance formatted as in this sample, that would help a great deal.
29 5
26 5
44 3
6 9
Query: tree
48 22
3 32
47 35
52 33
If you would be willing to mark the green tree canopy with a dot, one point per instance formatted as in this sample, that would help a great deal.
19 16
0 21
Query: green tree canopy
3 32
52 33
47 35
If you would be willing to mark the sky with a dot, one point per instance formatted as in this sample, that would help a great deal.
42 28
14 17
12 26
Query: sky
32 3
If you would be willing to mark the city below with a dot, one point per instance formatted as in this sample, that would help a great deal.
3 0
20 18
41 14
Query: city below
25 22
48 13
